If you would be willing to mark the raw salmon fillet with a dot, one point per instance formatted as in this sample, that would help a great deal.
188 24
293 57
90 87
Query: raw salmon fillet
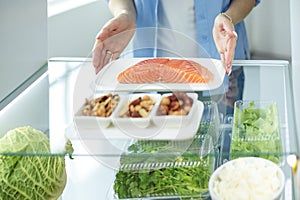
165 70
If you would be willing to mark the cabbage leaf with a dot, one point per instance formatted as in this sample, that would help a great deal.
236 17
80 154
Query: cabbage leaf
28 170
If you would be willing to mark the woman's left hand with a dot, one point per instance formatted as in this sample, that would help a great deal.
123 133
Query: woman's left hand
225 39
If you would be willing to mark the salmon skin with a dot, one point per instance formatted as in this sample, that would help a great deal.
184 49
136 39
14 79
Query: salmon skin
165 70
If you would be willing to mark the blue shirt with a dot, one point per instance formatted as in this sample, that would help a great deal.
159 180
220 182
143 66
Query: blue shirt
144 43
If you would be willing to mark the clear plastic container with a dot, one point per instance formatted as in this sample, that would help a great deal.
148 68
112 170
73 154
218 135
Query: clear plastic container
256 131
170 169
157 174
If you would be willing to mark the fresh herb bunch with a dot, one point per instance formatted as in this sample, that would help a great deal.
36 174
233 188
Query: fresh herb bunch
165 168
256 133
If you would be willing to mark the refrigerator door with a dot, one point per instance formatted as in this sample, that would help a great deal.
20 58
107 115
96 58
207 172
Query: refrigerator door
295 41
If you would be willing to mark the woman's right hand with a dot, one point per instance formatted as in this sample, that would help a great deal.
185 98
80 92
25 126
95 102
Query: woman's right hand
225 39
113 39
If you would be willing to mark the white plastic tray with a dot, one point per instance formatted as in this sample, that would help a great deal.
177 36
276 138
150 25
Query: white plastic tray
107 77
152 132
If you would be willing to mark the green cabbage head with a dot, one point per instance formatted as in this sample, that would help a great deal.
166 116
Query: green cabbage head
27 169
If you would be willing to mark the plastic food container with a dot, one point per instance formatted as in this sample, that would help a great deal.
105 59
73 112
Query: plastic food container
160 170
123 117
180 119
247 178
210 118
97 111
256 131
181 163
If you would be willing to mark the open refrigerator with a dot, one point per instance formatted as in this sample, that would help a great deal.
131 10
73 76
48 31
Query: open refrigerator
108 167
174 165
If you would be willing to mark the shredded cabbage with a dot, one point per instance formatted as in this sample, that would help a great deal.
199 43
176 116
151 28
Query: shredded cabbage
28 171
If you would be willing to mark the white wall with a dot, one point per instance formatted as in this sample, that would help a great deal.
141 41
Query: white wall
73 33
31 108
23 50
23 41
268 27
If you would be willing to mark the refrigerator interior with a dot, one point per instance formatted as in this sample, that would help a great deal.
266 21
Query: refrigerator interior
46 102
101 156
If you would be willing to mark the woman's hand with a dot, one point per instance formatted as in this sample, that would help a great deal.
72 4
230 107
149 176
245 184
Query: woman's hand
225 39
113 39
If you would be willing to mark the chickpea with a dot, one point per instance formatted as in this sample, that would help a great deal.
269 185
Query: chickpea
146 98
143 113
140 107
174 105
131 108
163 110
179 103
165 101
137 107
187 109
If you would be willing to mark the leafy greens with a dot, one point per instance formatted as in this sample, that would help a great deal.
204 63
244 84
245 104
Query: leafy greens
28 171
256 132
159 168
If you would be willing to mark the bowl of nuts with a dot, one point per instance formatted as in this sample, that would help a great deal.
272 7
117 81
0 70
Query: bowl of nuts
175 109
135 111
97 111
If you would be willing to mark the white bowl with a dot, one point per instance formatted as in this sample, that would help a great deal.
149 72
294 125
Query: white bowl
133 122
93 122
247 178
175 120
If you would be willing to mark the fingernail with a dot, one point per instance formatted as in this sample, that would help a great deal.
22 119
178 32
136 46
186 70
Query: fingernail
97 70
234 33
229 72
228 69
